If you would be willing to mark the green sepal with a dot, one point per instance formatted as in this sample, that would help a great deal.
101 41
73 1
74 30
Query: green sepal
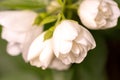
49 33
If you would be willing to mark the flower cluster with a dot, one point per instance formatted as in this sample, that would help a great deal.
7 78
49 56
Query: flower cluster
69 44
65 42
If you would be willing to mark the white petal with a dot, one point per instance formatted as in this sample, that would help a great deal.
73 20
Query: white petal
66 60
35 62
13 49
116 14
69 50
13 36
65 30
30 36
46 55
63 35
86 39
88 11
36 47
115 10
58 65
75 49
62 47
17 20
111 23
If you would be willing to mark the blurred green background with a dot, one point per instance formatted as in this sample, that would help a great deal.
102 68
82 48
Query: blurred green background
102 63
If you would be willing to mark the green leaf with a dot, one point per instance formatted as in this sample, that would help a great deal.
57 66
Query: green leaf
48 19
39 18
22 4
43 19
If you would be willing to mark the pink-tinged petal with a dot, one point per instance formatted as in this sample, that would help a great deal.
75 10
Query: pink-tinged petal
75 49
116 12
66 60
83 51
111 23
79 59
86 39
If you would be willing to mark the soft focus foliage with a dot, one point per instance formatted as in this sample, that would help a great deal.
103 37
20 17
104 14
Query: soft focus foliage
22 4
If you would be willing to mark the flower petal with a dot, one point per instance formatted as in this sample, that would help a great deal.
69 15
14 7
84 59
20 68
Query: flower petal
46 55
36 47
29 38
58 65
13 49
86 39
35 62
17 20
65 30
13 36
88 11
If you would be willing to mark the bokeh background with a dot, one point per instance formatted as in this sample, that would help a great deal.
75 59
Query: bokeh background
102 63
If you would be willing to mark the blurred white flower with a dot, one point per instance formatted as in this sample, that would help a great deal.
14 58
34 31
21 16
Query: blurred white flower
40 53
13 49
99 14
17 27
71 42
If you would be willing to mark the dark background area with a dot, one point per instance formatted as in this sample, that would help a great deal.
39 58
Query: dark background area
113 61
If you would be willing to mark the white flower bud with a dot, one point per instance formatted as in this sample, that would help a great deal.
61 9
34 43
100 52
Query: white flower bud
40 52
71 42
99 14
